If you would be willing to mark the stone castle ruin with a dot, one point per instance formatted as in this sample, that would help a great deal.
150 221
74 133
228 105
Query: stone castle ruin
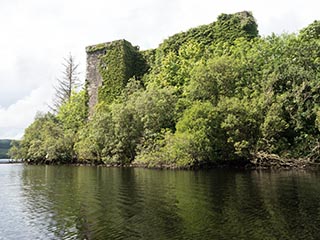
109 67
93 77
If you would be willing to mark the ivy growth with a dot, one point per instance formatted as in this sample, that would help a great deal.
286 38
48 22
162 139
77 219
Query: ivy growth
120 62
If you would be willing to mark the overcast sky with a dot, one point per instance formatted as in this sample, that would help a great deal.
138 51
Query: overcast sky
37 34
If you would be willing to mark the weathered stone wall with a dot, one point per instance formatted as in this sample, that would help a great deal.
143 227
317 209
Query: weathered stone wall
109 67
93 76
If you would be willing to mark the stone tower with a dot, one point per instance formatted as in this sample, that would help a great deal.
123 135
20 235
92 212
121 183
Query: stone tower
93 76
109 67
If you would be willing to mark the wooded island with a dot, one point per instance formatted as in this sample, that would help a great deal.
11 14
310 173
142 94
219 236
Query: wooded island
218 94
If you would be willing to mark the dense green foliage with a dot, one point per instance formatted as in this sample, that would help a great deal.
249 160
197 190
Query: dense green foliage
215 94
120 62
227 28
4 148
51 138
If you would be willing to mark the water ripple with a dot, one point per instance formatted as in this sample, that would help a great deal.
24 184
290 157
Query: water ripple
47 202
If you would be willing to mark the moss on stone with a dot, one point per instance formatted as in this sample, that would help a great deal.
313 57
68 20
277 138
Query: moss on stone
120 62
97 47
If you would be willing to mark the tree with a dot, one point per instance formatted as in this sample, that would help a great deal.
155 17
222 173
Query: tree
213 79
67 83
215 94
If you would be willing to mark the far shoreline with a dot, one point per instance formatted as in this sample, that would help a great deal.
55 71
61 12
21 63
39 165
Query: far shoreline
9 161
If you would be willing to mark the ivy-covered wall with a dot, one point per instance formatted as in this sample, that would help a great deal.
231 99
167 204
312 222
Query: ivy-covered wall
109 67
93 77
227 28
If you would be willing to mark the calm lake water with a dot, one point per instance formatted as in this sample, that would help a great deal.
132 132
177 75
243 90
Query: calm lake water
4 160
64 202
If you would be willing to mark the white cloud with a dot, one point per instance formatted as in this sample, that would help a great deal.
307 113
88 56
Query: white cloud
15 118
37 34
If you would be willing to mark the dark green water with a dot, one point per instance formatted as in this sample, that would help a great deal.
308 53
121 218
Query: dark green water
50 202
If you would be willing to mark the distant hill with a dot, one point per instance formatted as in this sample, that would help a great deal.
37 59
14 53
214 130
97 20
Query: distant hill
5 145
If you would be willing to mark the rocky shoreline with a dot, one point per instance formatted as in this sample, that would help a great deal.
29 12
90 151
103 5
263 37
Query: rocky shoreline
263 160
